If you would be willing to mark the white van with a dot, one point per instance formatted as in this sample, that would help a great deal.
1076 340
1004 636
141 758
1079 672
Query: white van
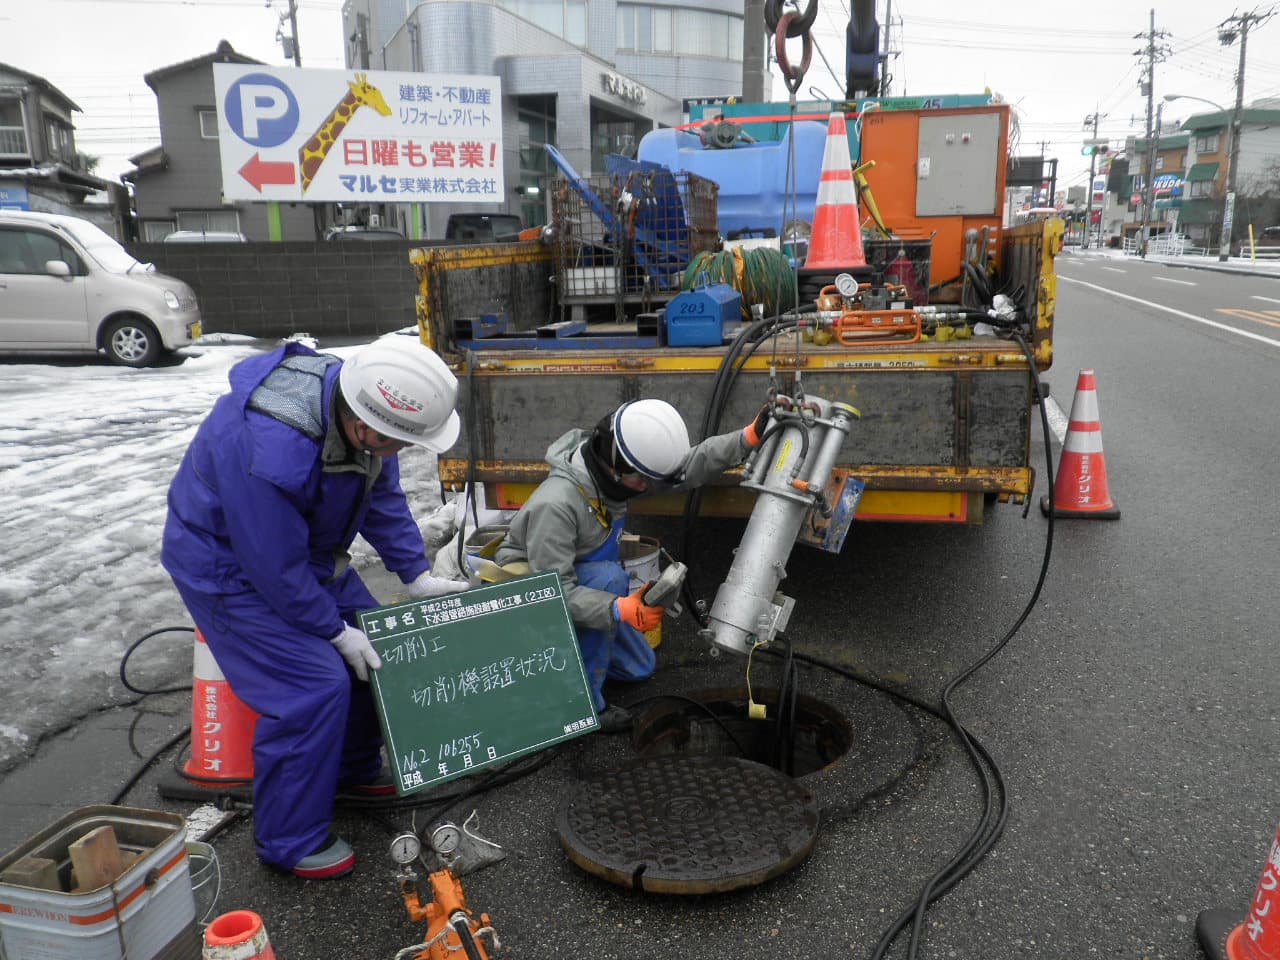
67 285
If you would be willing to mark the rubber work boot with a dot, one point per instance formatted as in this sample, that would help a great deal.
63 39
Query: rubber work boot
334 859
615 719
381 786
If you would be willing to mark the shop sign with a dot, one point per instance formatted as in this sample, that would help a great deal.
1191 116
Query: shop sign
622 87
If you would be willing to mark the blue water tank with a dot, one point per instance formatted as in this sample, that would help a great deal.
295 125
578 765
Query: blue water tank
752 176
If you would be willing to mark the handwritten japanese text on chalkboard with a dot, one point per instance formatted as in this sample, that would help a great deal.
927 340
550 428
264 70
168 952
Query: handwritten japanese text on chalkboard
477 678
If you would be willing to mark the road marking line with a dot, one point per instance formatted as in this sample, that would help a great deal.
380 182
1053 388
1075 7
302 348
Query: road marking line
1253 315
1179 313
1115 269
1267 299
1185 283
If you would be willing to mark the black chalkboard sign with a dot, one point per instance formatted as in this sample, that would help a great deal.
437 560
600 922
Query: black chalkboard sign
476 678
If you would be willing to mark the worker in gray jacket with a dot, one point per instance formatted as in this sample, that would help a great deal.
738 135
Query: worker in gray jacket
574 519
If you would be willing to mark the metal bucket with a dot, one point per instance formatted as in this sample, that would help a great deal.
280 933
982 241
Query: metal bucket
640 559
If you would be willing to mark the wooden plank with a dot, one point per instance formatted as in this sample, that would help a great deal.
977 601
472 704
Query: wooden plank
96 859
38 872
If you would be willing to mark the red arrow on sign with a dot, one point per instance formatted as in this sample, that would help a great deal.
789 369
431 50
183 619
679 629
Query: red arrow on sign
258 171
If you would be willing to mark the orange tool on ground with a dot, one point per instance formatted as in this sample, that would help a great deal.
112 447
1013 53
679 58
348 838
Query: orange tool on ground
450 925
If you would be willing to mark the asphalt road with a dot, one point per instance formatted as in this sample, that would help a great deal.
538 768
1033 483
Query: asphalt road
1133 716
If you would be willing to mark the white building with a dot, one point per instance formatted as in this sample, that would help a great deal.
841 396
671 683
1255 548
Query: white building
590 77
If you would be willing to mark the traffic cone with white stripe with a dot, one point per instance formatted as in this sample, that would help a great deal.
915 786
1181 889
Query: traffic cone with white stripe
221 726
238 935
1080 487
1223 937
835 242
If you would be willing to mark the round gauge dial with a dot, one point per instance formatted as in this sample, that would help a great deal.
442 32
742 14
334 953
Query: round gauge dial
405 848
445 839
847 286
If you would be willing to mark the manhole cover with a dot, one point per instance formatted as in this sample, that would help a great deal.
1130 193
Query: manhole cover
689 825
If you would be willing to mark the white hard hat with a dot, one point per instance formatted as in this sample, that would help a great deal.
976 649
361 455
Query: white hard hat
651 436
403 389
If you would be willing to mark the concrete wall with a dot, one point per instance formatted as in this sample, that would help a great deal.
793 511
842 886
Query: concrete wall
335 289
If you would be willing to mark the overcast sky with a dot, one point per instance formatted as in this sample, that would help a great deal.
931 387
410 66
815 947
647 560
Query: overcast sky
1057 62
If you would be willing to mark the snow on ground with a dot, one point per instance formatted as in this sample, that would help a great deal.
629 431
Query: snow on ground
87 451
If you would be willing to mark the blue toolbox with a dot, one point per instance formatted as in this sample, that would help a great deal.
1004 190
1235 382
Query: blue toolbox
700 317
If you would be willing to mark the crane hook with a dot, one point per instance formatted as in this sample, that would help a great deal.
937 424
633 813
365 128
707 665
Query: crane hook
798 25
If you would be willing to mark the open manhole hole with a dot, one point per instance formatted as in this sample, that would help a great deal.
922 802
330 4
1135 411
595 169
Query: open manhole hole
804 736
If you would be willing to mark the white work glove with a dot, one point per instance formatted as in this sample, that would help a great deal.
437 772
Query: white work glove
425 585
440 526
357 651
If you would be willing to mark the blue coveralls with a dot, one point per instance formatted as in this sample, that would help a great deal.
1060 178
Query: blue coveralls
622 653
261 514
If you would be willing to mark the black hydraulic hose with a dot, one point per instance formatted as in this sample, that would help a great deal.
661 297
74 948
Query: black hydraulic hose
988 831
124 662
725 376
463 930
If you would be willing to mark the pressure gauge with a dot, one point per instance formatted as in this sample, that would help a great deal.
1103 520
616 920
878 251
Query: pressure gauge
405 848
847 286
445 839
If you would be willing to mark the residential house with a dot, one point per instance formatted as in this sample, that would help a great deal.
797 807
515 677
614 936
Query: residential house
40 167
1167 174
1208 163
178 183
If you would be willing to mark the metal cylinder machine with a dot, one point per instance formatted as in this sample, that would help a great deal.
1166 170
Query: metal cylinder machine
789 472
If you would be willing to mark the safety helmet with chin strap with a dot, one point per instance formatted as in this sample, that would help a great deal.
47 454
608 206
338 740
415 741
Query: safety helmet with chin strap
650 437
402 389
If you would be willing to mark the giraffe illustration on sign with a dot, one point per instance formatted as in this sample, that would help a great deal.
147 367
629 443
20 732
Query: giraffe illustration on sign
312 153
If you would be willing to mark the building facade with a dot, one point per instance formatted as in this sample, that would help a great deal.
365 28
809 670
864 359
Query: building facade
589 77
40 167
1257 176
177 185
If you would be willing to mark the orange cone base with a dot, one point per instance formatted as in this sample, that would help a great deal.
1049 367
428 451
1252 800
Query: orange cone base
175 786
1109 512
1214 930
238 935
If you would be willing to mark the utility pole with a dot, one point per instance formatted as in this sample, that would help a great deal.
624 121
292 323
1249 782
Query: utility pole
290 43
1151 54
884 53
753 52
1227 35
1093 119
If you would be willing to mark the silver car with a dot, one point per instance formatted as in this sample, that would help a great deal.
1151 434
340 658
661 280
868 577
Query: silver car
65 284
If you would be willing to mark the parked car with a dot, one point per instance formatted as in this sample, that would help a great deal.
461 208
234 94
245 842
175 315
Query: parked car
1266 240
65 284
205 236
363 233
482 228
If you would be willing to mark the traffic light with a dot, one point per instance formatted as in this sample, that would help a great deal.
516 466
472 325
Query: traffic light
1094 147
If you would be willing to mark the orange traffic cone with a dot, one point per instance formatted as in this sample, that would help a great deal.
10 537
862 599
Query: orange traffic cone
1258 937
1080 487
238 935
835 243
221 726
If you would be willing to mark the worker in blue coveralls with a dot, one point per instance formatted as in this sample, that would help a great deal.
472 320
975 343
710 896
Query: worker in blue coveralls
573 521
289 466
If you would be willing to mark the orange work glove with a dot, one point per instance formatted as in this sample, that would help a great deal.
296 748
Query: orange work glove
635 611
753 432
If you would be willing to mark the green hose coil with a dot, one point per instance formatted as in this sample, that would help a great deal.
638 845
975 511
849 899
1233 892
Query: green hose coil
759 274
